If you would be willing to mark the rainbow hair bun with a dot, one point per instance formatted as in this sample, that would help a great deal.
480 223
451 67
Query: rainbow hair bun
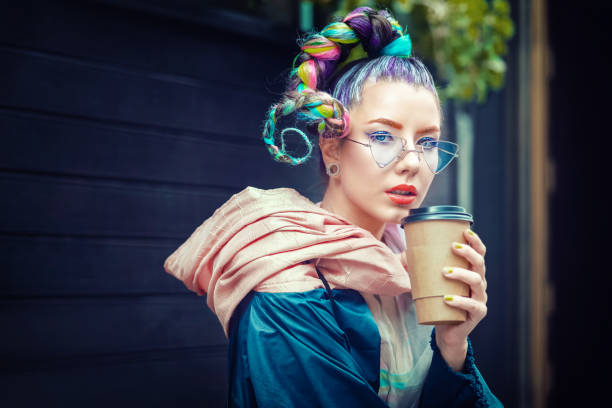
400 47
363 33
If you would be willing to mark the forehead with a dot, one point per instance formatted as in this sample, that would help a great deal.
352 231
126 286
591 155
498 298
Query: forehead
401 100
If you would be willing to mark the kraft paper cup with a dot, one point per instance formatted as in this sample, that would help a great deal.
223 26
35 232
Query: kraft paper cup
430 232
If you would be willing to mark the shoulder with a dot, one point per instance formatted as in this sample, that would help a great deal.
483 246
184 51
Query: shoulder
304 312
292 347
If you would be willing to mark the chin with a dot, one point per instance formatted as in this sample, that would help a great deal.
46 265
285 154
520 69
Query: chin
398 214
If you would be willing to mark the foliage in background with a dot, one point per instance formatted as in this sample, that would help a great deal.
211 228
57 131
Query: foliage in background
465 39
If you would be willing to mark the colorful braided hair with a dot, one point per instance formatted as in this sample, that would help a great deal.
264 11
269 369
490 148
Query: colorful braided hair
337 60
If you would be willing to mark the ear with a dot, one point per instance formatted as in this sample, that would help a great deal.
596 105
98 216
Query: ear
330 149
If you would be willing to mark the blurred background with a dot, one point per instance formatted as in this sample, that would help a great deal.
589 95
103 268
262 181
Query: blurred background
125 124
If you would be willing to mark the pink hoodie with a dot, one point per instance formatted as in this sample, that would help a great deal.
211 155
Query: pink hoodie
259 240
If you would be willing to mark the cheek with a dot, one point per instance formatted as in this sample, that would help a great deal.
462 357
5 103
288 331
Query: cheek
362 174
359 160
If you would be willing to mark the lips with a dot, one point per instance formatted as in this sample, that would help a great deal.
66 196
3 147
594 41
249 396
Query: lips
402 194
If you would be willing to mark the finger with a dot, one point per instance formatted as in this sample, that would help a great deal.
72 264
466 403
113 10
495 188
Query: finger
473 257
476 282
475 242
476 309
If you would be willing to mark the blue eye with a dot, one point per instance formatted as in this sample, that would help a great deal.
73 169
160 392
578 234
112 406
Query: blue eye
425 139
427 142
380 137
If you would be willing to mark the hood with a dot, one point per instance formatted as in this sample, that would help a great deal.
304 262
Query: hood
262 240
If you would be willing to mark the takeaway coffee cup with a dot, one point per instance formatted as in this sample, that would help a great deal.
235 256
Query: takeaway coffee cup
430 232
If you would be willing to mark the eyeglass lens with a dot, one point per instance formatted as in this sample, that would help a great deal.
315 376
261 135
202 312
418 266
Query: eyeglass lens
437 154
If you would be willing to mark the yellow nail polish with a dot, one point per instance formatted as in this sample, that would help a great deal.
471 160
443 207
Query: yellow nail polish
448 298
471 232
449 270
458 246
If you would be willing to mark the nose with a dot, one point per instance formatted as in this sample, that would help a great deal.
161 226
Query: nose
408 161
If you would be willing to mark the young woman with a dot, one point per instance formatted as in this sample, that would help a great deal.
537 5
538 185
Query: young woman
315 298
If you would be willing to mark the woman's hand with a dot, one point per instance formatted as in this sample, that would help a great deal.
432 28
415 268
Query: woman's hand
452 339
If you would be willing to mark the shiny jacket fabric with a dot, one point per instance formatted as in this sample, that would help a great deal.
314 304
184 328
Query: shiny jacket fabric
321 348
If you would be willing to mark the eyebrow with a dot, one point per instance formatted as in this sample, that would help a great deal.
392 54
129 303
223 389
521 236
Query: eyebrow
431 129
387 122
396 125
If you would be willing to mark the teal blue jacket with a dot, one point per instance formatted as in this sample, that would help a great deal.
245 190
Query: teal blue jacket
321 348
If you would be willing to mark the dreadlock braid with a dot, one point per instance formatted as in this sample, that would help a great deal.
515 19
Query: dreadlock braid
362 33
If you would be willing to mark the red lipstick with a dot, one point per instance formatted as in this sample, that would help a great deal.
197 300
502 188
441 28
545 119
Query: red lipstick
402 194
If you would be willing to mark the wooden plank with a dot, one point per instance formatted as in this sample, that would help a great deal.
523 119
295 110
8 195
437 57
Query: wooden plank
541 185
146 42
65 145
48 329
77 206
51 206
110 93
67 266
194 379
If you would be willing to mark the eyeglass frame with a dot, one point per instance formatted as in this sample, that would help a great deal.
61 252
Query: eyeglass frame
417 151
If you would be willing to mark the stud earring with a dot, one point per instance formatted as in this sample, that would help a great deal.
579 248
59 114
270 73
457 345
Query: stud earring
333 169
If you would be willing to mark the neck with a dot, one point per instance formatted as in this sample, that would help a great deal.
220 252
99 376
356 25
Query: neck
337 203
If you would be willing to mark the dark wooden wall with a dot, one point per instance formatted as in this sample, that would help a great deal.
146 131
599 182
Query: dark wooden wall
122 129
121 132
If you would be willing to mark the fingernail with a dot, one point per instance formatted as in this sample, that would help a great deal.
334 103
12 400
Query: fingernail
448 298
448 270
458 246
471 232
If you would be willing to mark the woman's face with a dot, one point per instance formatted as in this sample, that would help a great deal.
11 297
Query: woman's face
387 109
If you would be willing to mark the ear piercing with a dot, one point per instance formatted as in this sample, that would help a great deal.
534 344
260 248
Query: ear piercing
333 169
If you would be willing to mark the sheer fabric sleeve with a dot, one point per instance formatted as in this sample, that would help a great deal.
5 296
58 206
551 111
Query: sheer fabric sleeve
445 387
289 350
